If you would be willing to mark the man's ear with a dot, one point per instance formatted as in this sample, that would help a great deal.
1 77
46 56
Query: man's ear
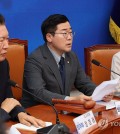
49 37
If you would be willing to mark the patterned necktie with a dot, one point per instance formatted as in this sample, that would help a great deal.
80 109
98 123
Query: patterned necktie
62 71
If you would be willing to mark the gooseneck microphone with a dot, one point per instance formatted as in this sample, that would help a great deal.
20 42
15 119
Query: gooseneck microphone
58 128
97 63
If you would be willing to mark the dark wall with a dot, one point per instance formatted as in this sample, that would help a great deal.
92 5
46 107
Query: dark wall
89 19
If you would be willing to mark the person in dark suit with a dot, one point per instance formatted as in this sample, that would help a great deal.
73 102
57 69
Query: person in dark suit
43 74
10 108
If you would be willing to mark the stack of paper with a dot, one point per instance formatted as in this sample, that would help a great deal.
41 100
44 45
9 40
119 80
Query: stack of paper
24 127
109 105
104 88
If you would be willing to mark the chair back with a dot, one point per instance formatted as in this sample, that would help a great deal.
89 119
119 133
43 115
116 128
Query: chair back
16 55
102 53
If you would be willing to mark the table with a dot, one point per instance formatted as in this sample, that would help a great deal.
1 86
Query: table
46 113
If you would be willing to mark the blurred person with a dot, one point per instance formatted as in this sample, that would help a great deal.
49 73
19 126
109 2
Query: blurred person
115 66
10 108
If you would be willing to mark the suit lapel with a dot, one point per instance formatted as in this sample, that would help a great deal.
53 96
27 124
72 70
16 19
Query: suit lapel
50 61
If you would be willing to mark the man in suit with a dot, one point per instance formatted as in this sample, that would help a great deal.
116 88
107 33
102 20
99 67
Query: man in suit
10 108
44 76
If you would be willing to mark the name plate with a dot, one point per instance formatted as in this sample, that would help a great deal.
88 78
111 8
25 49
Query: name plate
84 122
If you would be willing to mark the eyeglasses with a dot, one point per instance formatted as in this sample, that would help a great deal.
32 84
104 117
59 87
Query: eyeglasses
2 39
65 34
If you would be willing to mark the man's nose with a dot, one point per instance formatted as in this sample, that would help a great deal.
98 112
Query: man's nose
6 44
69 36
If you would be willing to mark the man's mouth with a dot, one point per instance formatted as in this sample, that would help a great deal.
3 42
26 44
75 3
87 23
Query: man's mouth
3 54
69 45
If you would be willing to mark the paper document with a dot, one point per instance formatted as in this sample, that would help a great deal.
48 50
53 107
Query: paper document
109 105
31 128
104 88
13 130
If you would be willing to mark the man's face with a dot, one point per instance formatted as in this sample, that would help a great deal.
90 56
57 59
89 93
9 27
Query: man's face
3 42
61 42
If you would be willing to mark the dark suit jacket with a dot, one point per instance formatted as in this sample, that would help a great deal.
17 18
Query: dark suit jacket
43 79
5 92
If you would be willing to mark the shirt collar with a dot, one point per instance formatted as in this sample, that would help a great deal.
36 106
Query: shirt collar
55 55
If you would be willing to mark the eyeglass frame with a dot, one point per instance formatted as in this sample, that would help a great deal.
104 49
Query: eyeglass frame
65 34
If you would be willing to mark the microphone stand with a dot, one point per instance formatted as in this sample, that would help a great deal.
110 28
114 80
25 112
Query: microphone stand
97 63
58 128
109 70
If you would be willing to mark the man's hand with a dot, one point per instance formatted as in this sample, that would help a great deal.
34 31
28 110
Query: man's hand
81 96
9 103
108 97
30 120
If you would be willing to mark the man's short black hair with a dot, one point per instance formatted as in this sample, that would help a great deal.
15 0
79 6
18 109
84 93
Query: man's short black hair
2 20
49 25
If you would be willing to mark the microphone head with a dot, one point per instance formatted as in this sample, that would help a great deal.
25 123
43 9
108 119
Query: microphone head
12 83
96 62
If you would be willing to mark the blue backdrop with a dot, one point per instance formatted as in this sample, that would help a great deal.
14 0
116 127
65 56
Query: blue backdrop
89 19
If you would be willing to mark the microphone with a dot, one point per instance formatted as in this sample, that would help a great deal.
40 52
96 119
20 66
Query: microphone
58 128
97 63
